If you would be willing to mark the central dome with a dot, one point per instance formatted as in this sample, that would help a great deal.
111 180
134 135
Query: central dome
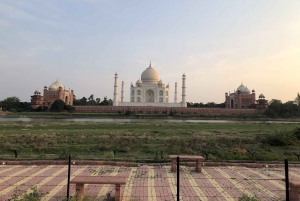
55 86
149 75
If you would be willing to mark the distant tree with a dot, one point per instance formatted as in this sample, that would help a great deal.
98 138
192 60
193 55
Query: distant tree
270 113
91 99
58 106
41 109
98 101
83 101
10 104
25 107
275 105
297 100
105 101
289 109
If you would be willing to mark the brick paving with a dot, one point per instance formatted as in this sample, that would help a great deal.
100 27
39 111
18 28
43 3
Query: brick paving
155 183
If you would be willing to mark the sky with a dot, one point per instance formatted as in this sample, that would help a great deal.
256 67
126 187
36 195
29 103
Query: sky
217 44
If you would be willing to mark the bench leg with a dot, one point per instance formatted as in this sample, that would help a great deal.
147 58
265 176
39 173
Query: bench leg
118 193
79 191
173 169
198 166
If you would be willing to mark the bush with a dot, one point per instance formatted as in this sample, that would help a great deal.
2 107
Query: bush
280 139
270 113
58 106
248 198
297 133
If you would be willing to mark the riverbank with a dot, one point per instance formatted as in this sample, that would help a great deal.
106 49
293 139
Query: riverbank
255 141
66 115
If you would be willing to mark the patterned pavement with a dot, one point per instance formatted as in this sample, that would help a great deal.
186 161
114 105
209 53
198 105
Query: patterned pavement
155 183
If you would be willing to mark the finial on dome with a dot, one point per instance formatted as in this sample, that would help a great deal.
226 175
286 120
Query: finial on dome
150 64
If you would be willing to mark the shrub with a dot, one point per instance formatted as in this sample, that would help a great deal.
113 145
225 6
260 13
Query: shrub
270 113
297 133
248 198
280 139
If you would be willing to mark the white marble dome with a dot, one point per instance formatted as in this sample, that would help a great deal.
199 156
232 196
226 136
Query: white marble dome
243 89
150 76
139 81
55 86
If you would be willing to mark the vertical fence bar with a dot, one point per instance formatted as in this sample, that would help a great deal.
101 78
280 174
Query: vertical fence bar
286 169
178 183
69 175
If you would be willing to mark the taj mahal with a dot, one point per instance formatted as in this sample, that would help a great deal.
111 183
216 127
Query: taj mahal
149 90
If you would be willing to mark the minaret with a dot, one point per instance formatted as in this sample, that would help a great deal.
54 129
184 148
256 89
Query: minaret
183 91
122 92
175 97
115 103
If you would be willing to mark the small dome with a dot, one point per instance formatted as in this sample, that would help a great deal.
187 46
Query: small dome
37 91
150 75
261 96
183 75
253 91
139 81
246 91
160 82
45 87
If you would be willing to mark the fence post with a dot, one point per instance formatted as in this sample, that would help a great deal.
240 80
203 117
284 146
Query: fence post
69 175
178 183
286 169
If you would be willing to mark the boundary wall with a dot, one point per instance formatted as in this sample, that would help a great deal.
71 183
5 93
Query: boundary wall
166 110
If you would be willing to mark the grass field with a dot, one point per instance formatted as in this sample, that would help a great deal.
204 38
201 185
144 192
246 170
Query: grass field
137 141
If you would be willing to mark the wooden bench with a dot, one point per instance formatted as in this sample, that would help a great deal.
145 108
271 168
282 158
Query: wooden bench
181 157
80 181
294 189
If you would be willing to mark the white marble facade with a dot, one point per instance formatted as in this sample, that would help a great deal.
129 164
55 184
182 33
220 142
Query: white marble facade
149 91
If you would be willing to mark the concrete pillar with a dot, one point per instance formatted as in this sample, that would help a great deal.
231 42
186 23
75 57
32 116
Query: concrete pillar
115 103
122 92
175 96
183 92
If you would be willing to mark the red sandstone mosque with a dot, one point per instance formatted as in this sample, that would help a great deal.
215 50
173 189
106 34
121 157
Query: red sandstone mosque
54 92
242 98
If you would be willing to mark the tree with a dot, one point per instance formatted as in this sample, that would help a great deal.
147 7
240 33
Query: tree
270 113
10 103
275 105
98 100
297 100
91 99
58 106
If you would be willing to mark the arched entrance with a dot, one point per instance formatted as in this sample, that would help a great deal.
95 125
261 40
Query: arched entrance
231 103
149 96
67 100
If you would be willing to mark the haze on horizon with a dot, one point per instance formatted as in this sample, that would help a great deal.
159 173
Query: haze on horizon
217 44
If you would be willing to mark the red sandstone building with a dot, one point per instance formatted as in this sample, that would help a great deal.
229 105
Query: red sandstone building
56 91
242 98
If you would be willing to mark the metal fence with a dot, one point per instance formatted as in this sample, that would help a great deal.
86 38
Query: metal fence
49 182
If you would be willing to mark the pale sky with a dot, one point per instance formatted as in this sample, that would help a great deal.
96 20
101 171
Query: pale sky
217 44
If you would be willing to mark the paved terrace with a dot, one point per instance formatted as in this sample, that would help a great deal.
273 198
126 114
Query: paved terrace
156 183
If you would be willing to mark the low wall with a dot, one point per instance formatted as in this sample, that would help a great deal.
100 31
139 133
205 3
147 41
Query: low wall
149 104
166 110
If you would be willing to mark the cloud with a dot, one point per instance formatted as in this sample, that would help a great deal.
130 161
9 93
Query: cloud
15 13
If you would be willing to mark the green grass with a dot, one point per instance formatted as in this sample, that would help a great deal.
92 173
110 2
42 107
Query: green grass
88 140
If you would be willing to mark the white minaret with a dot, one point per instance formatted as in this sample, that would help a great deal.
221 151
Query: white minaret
175 97
183 91
115 103
122 92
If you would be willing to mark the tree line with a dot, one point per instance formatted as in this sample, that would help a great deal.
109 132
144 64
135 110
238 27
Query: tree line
92 101
207 105
285 110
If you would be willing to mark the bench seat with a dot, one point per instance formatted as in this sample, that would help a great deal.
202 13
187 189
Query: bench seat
80 181
186 157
